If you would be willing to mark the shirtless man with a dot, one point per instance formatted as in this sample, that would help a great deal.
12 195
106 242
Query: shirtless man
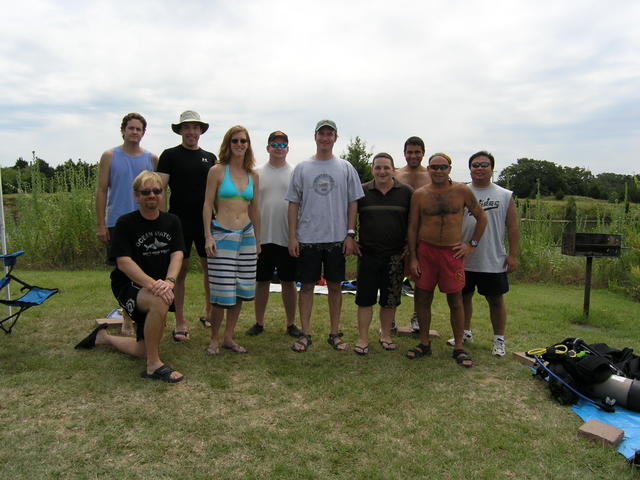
436 253
415 175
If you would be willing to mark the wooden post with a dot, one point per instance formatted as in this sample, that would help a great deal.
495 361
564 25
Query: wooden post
587 287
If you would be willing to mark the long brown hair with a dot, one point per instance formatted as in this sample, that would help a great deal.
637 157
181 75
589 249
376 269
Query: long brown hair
225 149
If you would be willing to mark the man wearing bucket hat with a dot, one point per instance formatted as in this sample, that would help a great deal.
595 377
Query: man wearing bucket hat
184 169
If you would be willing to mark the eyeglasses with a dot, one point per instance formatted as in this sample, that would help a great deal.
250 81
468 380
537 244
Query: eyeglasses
239 140
278 145
439 167
480 164
147 191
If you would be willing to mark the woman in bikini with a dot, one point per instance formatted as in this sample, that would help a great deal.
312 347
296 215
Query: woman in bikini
232 235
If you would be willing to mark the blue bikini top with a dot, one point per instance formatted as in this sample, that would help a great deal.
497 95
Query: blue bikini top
228 190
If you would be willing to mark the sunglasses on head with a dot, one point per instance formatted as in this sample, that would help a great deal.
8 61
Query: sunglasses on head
438 167
239 140
480 164
147 191
278 145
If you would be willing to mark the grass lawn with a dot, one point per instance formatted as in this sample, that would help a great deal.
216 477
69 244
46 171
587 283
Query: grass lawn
277 414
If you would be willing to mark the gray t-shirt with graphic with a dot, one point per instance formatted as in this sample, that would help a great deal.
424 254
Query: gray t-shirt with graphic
323 189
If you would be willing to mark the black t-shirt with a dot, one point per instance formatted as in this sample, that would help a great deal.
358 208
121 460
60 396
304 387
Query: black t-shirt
187 170
149 243
383 219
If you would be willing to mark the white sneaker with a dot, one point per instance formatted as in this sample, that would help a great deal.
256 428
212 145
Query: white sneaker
466 338
499 349
415 327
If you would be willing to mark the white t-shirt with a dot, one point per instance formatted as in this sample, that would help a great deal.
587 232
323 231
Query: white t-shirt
490 254
323 189
274 183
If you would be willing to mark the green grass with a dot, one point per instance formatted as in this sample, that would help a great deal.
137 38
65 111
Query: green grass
277 414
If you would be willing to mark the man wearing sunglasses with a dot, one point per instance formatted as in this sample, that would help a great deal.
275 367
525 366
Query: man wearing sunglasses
184 169
486 267
436 250
147 248
274 236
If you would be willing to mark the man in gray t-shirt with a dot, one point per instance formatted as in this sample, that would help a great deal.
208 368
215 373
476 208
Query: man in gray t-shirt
323 196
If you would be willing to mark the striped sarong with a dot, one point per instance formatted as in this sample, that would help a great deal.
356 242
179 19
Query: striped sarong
232 272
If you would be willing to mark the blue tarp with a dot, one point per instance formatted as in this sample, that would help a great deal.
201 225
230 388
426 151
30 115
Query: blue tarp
622 418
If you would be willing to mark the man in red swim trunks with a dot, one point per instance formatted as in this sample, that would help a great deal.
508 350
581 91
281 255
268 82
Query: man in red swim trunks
436 253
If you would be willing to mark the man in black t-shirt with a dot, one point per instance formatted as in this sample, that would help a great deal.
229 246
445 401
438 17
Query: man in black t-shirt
184 169
147 246
383 218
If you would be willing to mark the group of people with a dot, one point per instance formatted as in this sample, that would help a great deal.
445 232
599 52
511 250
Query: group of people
300 223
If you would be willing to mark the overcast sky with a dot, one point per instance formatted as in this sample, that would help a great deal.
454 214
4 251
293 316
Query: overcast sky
550 80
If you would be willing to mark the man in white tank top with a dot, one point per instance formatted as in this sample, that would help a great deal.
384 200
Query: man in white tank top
487 267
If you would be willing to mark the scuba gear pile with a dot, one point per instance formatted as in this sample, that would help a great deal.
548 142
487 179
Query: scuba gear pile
596 373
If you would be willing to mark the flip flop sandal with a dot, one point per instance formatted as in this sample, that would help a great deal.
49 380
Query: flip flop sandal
212 352
235 348
175 334
162 373
361 349
204 321
90 340
388 345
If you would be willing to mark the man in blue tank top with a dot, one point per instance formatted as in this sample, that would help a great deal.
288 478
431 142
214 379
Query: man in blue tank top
118 167
184 170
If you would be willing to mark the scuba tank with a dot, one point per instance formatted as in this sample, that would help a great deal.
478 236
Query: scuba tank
625 391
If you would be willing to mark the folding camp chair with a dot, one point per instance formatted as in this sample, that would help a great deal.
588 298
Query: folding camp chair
34 295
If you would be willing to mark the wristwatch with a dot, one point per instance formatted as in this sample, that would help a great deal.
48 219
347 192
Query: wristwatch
351 233
170 279
473 243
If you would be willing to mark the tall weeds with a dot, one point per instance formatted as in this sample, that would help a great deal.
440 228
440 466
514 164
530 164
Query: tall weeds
54 222
541 231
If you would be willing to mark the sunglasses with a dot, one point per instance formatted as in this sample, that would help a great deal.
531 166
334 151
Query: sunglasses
439 167
278 145
239 140
480 164
147 191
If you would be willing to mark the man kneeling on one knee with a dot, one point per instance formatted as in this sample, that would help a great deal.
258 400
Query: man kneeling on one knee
148 248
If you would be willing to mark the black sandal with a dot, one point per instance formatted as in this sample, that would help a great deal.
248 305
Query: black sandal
305 345
419 351
335 341
460 356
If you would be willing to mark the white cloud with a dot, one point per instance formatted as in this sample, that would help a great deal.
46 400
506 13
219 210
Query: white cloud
548 80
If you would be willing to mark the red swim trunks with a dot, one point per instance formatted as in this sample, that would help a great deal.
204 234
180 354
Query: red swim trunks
439 267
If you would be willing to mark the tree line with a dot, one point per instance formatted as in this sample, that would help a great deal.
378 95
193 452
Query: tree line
19 178
526 178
